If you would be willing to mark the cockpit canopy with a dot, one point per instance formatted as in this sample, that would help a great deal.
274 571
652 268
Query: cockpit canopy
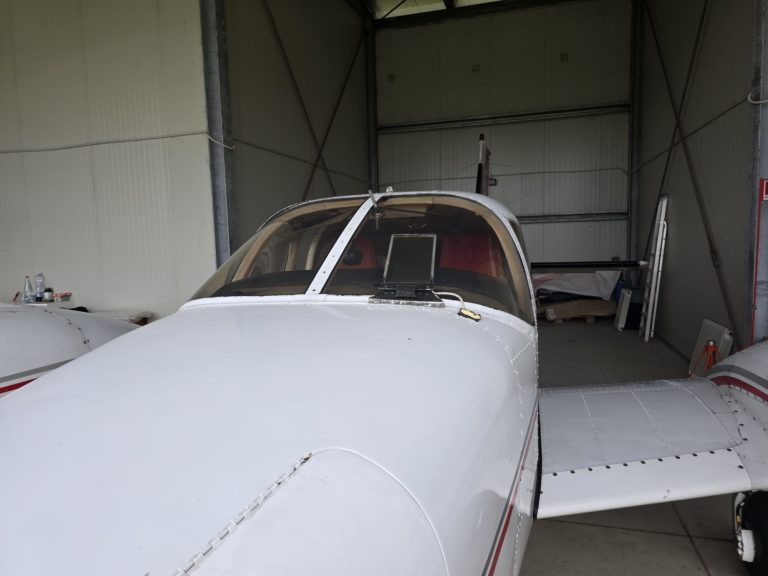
475 255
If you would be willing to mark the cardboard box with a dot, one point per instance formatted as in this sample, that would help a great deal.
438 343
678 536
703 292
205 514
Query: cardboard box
579 308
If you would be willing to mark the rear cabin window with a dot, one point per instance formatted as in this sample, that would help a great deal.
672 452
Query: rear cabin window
470 259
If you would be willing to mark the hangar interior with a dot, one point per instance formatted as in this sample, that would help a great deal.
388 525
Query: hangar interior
118 122
142 142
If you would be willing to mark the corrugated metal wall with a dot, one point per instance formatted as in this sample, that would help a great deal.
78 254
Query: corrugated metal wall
275 146
94 190
563 57
719 122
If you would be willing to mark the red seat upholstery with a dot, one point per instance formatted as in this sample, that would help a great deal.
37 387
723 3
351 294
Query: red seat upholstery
474 252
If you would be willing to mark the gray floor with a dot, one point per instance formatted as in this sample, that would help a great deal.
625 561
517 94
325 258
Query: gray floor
681 539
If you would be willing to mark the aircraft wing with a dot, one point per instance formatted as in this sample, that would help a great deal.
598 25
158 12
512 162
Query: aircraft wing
607 447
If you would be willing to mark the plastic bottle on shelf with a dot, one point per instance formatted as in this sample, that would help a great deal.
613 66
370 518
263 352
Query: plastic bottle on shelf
29 293
39 286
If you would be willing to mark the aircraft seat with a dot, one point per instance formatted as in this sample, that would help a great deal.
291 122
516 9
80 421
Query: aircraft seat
474 252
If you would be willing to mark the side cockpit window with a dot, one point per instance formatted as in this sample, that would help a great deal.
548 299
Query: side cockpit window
285 254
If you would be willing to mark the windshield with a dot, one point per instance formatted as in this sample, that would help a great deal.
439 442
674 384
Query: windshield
285 254
466 249
474 254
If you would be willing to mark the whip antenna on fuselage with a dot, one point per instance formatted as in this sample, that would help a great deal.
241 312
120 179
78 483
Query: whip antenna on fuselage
377 213
483 168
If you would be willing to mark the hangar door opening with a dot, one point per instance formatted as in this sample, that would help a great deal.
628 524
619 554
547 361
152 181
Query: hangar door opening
550 89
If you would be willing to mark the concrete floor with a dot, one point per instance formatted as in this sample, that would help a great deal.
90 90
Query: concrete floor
686 538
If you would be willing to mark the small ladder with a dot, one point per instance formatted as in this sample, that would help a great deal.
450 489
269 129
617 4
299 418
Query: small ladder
653 274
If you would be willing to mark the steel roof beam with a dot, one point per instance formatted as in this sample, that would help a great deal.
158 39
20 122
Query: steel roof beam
436 16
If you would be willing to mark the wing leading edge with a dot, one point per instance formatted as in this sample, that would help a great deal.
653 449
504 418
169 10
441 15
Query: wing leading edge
607 447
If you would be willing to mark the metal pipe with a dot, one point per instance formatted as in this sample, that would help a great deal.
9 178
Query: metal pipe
589 266
703 213
219 125
617 108
633 178
371 95
757 297
572 217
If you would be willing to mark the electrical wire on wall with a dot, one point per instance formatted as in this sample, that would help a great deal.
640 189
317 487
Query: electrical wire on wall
510 174
115 141
302 160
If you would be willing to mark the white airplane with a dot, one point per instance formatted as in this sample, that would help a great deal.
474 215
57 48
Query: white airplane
355 392
35 340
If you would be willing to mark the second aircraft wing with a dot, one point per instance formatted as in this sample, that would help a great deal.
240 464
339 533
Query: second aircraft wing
607 447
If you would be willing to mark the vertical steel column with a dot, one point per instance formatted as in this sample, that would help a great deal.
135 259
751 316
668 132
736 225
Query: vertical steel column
758 297
635 158
219 125
371 92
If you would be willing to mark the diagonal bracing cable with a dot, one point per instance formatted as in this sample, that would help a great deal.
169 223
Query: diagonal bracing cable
296 88
698 41
333 116
703 213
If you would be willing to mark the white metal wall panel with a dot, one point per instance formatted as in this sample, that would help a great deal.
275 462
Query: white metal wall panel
408 74
16 245
588 52
62 227
50 72
120 224
722 152
10 135
411 161
573 241
465 68
554 57
551 167
558 57
274 149
585 164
